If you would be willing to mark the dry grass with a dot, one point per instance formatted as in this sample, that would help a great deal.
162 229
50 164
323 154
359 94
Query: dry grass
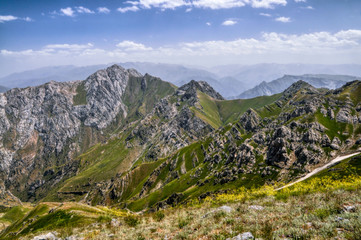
310 216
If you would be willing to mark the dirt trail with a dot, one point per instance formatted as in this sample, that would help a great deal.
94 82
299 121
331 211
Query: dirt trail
317 170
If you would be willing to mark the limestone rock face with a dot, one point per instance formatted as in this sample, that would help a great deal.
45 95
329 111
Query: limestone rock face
38 125
344 115
250 120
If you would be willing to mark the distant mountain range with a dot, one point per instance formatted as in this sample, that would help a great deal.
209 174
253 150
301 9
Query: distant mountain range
253 75
229 80
3 89
280 84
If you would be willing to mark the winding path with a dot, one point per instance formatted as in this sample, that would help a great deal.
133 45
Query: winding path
317 170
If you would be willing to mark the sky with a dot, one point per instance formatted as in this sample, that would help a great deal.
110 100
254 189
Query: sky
38 33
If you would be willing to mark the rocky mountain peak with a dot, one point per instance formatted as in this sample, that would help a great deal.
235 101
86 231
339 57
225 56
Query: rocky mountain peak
299 85
353 84
190 89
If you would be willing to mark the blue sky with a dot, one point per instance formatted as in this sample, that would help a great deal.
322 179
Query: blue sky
36 33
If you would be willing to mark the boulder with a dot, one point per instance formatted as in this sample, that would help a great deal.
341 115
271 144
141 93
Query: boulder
243 236
255 207
48 236
250 120
344 115
335 144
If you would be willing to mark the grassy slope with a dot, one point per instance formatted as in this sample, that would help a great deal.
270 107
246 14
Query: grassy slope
61 217
221 112
141 101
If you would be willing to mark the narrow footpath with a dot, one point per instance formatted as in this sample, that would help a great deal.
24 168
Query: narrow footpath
317 170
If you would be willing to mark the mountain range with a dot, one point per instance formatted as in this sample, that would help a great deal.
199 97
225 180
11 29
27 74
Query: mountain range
123 137
229 80
132 141
280 84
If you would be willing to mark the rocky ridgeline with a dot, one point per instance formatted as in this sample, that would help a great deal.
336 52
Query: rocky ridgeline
171 126
292 143
39 126
279 147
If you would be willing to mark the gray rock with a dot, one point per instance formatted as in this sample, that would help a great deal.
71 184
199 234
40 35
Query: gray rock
282 132
312 136
339 219
325 141
48 236
256 207
335 144
250 120
225 208
349 208
331 114
344 115
243 236
115 222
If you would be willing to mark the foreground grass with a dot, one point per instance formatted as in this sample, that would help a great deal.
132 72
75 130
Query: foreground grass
320 208
311 216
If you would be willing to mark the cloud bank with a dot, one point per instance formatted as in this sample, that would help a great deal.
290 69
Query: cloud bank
318 47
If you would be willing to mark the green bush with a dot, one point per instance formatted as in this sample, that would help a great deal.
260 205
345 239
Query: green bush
104 219
131 220
158 216
182 223
322 213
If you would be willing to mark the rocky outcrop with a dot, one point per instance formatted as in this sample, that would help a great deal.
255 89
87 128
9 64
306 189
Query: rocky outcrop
250 120
189 90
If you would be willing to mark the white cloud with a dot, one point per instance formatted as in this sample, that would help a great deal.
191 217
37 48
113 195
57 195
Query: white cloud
81 9
265 14
267 3
211 4
208 23
317 47
127 9
27 19
7 18
163 4
69 46
349 35
67 11
103 10
188 9
229 22
132 46
309 7
297 1
283 19
218 4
